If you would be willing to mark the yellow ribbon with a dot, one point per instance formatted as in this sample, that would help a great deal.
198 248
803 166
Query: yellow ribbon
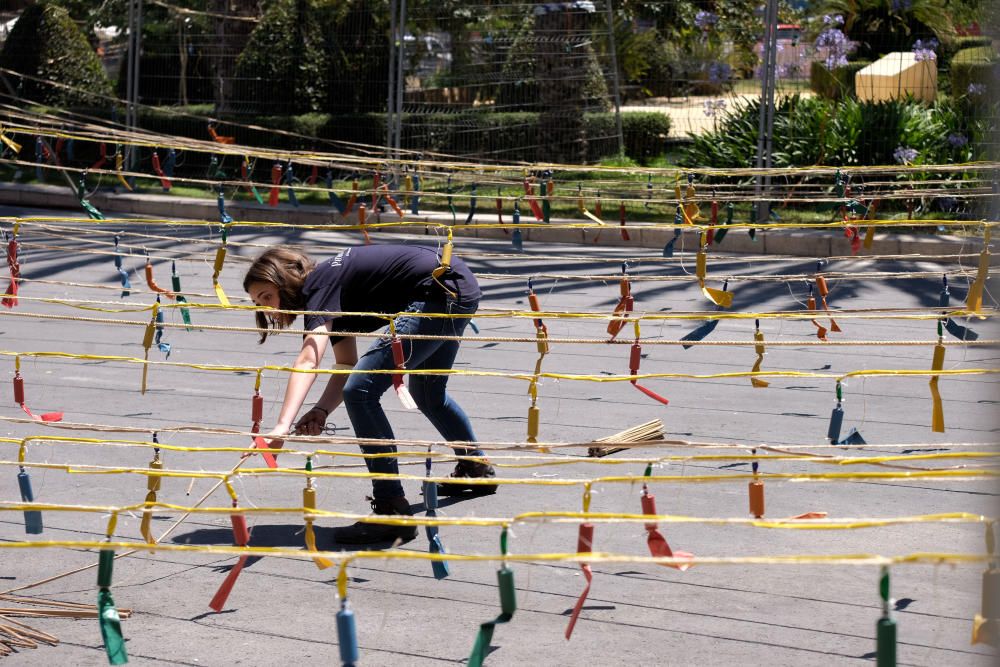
147 342
716 296
758 337
974 300
937 412
119 162
220 257
13 145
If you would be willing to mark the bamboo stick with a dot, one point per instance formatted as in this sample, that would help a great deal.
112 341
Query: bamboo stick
651 430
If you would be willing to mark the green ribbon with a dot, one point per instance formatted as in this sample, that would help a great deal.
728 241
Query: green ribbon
721 233
87 206
111 628
508 605
175 281
885 629
107 614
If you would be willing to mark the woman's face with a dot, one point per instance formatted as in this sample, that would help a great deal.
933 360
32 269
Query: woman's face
266 295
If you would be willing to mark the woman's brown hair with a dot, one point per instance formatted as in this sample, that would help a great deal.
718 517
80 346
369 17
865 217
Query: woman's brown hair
287 270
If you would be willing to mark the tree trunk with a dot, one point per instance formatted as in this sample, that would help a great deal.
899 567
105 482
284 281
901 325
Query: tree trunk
559 34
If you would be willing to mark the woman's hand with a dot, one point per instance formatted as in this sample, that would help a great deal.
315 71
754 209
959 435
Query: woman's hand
312 422
276 438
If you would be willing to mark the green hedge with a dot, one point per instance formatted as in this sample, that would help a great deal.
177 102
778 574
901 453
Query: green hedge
484 135
47 44
950 49
837 83
973 66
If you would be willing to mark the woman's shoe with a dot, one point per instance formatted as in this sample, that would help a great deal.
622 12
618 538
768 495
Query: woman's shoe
364 532
466 470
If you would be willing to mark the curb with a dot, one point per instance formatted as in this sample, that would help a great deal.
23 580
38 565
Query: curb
805 243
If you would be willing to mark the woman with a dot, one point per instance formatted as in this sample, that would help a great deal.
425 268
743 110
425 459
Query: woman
372 279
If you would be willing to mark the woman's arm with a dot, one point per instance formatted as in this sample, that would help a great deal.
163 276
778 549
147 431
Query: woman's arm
345 354
313 347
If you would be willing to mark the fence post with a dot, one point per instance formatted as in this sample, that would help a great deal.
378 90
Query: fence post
132 87
390 105
614 80
765 125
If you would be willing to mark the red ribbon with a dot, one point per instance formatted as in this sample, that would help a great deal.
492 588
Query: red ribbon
272 200
392 202
584 544
218 138
823 290
241 537
103 157
625 305
633 367
375 181
820 329
58 149
851 232
621 220
352 199
536 210
19 399
164 181
399 359
657 543
269 458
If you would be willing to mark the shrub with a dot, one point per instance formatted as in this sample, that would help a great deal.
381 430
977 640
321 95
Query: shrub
950 48
47 44
645 134
976 66
285 65
521 90
486 135
815 131
837 83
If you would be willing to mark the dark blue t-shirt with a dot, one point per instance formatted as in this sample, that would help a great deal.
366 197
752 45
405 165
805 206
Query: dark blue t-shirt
381 279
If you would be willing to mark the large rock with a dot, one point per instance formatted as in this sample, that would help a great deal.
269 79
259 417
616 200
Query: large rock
897 75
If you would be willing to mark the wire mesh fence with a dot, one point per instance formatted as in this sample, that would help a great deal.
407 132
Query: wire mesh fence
563 82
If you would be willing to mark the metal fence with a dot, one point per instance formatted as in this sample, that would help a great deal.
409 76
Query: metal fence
532 82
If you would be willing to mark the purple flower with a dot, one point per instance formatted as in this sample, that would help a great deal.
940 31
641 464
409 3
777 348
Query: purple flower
836 42
925 51
719 72
712 107
900 6
956 140
705 20
904 155
976 89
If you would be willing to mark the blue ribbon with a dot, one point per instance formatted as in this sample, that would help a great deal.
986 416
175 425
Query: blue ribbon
224 217
668 249
415 199
472 205
289 180
335 200
440 568
122 273
515 237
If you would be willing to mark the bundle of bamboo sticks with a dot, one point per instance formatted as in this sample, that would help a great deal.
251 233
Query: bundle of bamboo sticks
15 635
652 430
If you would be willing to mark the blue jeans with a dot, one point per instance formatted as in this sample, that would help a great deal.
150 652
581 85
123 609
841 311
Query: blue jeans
363 391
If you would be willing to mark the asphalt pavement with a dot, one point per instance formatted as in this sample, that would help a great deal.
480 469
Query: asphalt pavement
282 610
